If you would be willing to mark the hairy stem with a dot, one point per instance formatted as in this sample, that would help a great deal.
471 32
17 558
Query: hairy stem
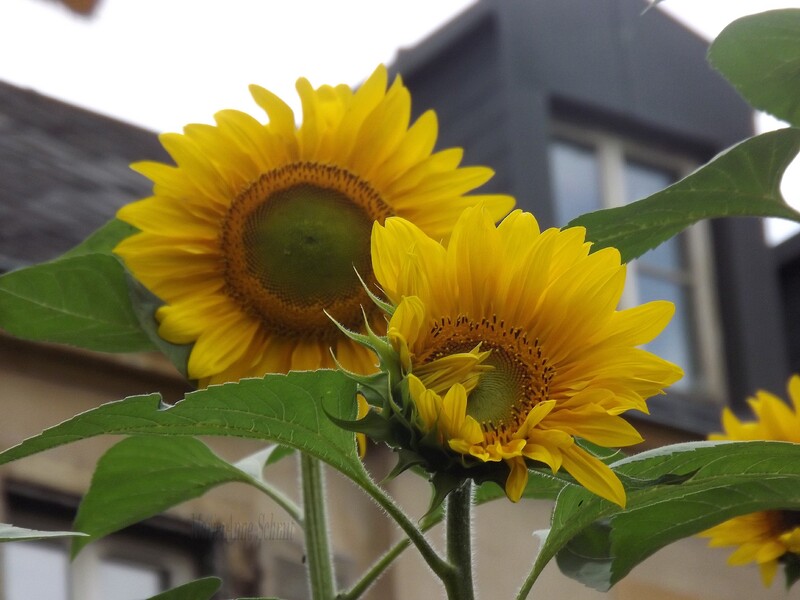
459 543
318 554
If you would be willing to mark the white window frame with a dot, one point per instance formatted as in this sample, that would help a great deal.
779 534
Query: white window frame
83 581
612 151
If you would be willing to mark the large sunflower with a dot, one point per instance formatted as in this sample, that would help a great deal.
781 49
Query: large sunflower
769 537
514 345
259 227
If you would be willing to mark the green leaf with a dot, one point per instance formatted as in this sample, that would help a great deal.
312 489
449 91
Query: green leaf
286 409
587 557
10 533
143 476
145 304
82 301
721 480
104 240
760 56
200 589
742 181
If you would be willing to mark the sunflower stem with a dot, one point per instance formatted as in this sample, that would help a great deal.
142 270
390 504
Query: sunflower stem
375 571
318 555
438 565
380 565
528 584
459 543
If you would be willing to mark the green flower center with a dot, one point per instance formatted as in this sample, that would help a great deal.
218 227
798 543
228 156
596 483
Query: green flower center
291 242
520 377
502 393
303 244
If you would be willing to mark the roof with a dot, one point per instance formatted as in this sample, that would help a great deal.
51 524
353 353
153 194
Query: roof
64 171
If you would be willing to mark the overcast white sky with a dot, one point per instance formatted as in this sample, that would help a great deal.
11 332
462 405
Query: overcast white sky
163 63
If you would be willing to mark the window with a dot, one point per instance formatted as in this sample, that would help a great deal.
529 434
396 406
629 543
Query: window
591 170
35 570
123 566
109 568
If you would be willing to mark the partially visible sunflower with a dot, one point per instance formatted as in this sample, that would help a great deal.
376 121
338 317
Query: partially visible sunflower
769 537
259 226
514 347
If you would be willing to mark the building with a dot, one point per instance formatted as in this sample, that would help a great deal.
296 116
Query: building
577 104
580 108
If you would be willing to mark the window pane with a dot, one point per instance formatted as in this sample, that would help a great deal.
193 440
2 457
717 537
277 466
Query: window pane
642 181
129 581
675 343
575 177
35 570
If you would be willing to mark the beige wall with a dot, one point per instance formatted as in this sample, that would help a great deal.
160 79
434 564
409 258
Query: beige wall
42 386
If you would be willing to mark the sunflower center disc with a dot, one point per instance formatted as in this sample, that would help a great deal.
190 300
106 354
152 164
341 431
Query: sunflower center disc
291 242
520 379
501 392
303 244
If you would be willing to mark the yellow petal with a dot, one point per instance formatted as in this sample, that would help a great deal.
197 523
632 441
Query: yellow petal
517 478
428 403
454 411
592 474
404 327
768 570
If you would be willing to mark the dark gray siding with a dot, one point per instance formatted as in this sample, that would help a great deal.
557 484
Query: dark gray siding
466 72
501 73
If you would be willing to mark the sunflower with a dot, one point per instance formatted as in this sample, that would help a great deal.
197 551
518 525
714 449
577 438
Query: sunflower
513 345
258 228
769 537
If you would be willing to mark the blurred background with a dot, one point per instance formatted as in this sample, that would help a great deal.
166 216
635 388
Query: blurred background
577 105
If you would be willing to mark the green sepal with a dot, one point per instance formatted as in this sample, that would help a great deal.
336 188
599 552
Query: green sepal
374 388
791 568
406 459
375 395
386 307
443 483
373 425
388 359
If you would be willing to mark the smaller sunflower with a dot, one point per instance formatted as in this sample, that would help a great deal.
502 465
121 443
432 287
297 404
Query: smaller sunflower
769 537
513 347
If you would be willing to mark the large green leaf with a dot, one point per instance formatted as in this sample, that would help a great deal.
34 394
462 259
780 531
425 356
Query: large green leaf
760 56
10 533
104 240
287 409
743 181
598 543
145 475
200 589
82 301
